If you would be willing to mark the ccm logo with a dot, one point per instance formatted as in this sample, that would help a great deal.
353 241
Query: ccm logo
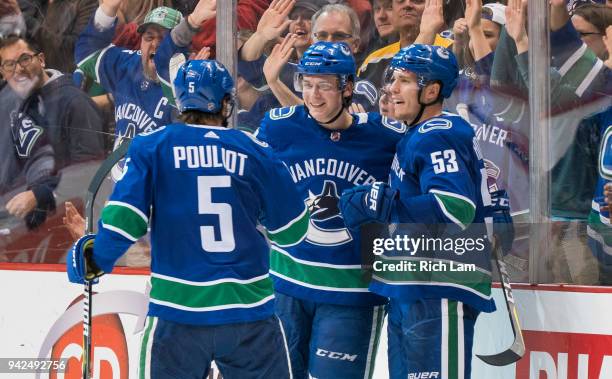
424 375
374 196
335 355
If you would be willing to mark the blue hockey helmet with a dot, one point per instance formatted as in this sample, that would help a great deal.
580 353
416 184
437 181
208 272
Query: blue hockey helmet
327 58
430 64
202 85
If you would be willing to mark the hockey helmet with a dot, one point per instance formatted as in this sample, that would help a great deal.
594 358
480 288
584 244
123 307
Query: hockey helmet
429 63
326 58
202 85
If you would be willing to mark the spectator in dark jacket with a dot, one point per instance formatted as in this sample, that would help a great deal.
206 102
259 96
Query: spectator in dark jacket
51 104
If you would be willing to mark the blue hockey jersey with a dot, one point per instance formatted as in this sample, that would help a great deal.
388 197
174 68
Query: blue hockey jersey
443 194
140 104
326 266
599 229
203 190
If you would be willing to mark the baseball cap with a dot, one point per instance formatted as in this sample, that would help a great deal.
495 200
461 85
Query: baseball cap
497 13
163 16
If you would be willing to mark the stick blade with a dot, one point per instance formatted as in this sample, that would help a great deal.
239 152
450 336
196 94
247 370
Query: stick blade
504 358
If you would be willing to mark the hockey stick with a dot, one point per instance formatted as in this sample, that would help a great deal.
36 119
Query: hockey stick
517 349
92 191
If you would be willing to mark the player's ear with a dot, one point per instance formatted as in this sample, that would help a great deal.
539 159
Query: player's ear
348 88
431 92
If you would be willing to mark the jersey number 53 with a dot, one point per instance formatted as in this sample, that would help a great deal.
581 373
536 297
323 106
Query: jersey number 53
444 161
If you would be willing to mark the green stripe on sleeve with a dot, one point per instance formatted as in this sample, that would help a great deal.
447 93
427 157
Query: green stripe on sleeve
458 209
124 219
293 232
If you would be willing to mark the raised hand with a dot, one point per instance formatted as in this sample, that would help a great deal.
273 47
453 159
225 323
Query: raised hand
204 10
473 13
460 31
278 58
516 17
204 53
432 20
275 19
74 222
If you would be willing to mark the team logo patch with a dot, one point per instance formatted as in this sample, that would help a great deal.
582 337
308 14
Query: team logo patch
435 124
25 133
280 113
344 49
442 53
326 226
335 136
605 155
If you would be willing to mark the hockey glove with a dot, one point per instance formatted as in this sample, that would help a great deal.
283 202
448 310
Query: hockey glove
503 228
364 204
79 262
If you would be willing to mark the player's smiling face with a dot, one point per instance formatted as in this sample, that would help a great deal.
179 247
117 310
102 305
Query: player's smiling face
404 91
322 96
151 39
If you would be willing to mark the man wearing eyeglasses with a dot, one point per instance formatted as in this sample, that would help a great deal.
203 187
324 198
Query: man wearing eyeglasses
49 109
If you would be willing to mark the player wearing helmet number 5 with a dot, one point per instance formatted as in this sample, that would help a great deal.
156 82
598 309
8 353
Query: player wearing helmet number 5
331 320
202 189
438 189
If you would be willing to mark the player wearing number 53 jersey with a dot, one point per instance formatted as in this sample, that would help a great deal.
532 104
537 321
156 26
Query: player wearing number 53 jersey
332 321
203 189
438 195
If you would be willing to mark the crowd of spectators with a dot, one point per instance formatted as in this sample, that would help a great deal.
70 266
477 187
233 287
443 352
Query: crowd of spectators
77 76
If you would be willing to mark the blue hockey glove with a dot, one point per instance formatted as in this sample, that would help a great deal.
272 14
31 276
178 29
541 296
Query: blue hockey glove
79 264
364 204
503 228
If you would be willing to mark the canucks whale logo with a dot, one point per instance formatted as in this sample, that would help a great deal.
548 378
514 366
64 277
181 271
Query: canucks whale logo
326 226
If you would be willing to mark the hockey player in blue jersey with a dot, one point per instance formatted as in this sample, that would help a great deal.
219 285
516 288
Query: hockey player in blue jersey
437 191
331 320
202 189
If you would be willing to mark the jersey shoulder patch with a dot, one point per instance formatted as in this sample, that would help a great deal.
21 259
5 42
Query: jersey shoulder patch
366 89
254 139
281 113
436 123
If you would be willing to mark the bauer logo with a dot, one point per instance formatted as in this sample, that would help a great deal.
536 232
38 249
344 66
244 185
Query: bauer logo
555 355
110 354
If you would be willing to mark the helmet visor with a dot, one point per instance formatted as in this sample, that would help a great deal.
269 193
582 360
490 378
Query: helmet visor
309 82
397 76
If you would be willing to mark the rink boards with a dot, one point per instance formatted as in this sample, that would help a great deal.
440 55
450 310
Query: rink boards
568 329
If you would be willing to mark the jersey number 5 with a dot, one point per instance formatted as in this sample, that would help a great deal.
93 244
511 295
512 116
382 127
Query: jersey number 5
223 210
444 161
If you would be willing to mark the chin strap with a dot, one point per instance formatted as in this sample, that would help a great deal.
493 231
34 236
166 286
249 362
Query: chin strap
326 122
422 110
